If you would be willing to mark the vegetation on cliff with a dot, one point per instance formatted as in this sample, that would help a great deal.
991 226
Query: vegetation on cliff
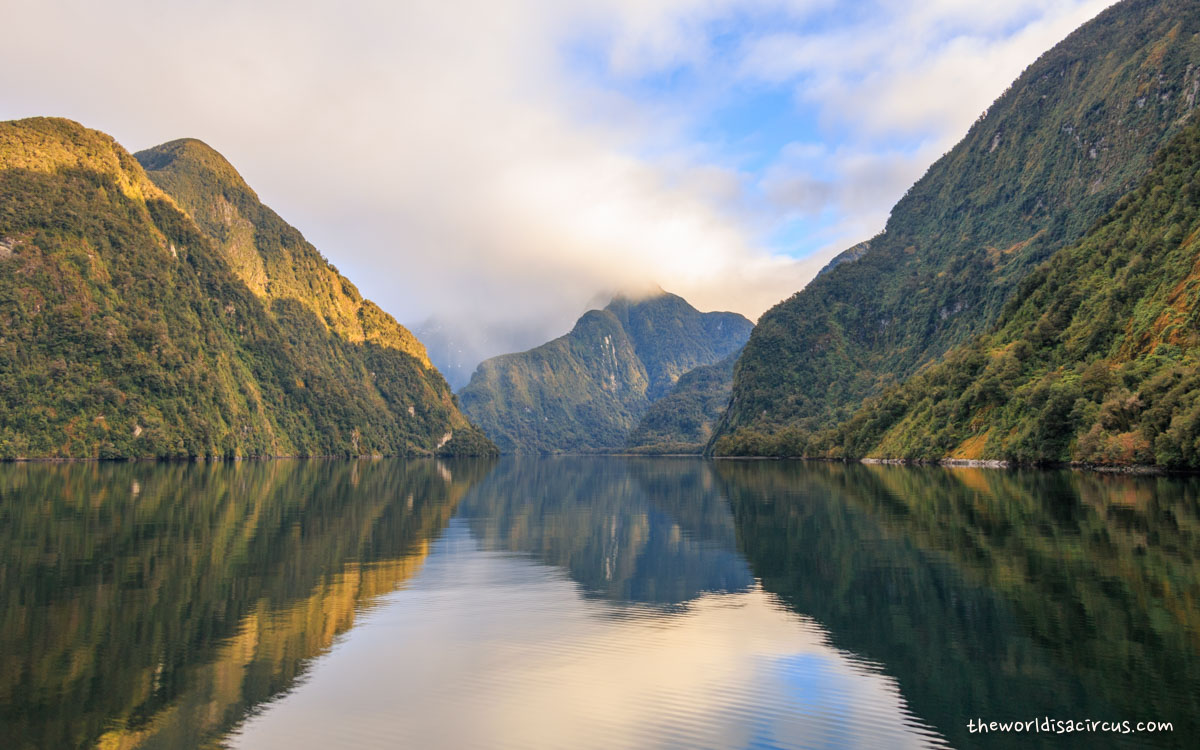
1055 152
1095 360
682 422
126 332
585 391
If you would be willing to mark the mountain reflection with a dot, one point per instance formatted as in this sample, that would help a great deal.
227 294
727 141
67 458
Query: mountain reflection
588 603
1001 595
639 530
152 605
591 602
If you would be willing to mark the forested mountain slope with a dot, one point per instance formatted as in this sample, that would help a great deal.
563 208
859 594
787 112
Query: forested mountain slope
585 391
682 421
126 332
267 253
1074 133
1095 360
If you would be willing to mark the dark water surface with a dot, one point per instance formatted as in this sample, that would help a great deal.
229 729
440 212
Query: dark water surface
580 603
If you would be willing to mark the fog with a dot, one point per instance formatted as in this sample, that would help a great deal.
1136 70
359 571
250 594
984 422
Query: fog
500 167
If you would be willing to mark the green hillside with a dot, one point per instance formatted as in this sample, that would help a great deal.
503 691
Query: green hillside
128 333
1095 360
267 253
683 420
585 391
1075 132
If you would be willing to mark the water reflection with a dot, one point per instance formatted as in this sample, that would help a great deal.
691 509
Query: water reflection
604 602
647 531
1003 595
489 649
150 605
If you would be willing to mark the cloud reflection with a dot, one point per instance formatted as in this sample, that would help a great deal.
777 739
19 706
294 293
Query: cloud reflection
490 650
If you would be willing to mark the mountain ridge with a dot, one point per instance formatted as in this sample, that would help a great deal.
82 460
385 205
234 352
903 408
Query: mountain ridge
583 392
682 421
267 253
1072 134
1096 360
126 333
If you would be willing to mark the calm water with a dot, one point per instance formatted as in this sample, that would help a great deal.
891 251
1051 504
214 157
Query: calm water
579 603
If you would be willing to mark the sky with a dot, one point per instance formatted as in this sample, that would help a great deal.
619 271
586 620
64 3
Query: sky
499 167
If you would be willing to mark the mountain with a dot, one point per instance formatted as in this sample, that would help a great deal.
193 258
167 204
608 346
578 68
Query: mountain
671 337
682 422
268 254
169 314
584 391
458 340
848 255
1073 134
1095 360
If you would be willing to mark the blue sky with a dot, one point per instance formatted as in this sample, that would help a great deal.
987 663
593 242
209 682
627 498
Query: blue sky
499 166
762 115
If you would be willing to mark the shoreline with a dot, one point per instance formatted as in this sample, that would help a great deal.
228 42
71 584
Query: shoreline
952 463
976 463
222 459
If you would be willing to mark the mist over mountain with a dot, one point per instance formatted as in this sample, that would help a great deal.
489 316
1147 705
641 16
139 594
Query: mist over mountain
457 344
584 392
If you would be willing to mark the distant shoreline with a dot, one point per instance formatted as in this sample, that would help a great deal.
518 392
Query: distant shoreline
970 463
212 459
952 463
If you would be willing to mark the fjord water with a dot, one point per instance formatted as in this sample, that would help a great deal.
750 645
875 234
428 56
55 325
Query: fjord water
591 602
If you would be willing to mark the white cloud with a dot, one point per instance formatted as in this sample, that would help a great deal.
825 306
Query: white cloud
928 68
448 159
916 75
857 187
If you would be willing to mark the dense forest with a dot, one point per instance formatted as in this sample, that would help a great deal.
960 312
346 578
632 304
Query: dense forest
682 421
1094 360
586 391
265 252
128 333
1051 156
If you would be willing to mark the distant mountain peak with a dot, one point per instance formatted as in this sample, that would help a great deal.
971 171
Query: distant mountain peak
584 391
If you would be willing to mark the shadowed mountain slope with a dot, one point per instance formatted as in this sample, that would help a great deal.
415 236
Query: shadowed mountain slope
1094 360
1074 133
584 392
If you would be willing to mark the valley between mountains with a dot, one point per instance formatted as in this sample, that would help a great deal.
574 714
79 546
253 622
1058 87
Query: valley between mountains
1034 298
